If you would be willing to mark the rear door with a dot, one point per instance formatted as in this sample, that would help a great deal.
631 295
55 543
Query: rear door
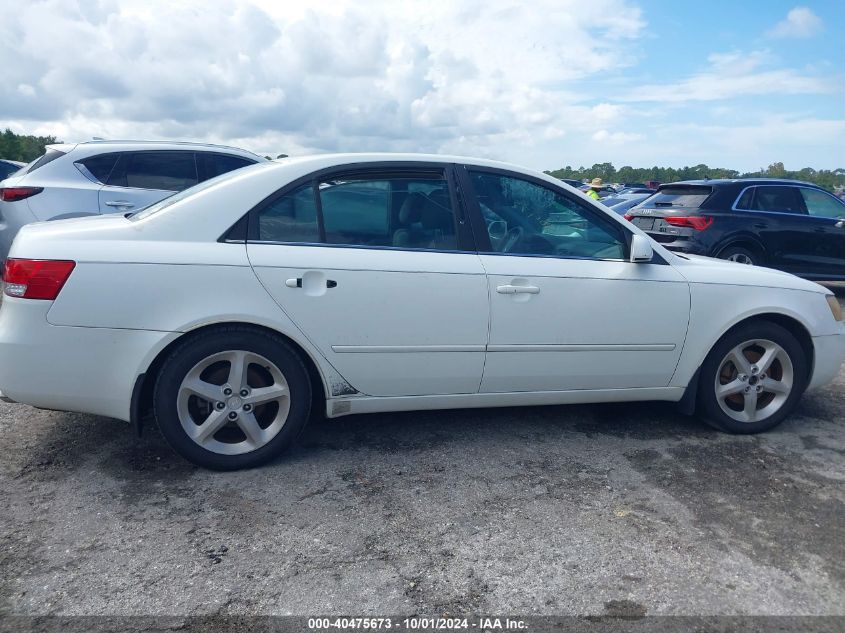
779 217
376 268
139 179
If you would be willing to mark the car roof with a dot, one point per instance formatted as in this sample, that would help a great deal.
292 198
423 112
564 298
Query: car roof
99 145
339 159
722 182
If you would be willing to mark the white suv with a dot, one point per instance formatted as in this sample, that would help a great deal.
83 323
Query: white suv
96 177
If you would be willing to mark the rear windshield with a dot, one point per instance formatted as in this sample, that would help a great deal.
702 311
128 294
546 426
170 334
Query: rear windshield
689 197
49 156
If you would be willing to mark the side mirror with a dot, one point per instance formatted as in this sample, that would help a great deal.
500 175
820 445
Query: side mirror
641 250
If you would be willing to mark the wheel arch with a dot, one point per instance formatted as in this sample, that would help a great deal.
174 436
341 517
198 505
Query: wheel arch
142 392
742 240
791 324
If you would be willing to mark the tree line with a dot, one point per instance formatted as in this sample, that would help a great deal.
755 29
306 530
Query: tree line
828 178
25 148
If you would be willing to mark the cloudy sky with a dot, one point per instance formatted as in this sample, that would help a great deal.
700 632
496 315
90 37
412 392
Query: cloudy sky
545 83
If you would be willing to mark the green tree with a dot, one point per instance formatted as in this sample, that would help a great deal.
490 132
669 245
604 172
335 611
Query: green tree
24 148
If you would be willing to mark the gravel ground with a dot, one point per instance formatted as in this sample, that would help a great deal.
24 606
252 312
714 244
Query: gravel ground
630 509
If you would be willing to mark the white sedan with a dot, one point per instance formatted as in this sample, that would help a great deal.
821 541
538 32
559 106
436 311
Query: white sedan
363 283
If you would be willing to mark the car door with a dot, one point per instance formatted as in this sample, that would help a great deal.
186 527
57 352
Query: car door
826 220
139 179
378 273
568 310
776 213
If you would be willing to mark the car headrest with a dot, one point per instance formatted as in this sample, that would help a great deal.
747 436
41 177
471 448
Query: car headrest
411 209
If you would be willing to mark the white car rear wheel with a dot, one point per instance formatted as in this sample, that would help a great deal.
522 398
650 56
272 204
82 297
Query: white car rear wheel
232 398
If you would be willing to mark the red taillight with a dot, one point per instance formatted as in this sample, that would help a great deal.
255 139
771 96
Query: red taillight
36 278
13 194
697 222
628 217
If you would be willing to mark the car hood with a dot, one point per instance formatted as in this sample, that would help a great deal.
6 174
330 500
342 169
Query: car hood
709 270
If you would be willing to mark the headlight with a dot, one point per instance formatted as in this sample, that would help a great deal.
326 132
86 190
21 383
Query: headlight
833 302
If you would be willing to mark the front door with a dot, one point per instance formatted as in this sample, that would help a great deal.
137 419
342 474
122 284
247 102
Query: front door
568 310
374 270
827 222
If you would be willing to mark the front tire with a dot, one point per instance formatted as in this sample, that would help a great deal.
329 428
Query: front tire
753 378
232 397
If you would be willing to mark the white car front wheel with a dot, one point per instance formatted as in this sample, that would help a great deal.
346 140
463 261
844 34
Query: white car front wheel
752 378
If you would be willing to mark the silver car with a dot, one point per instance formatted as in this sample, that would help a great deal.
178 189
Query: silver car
96 177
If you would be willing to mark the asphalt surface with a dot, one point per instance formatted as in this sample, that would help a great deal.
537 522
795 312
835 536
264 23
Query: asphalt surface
611 509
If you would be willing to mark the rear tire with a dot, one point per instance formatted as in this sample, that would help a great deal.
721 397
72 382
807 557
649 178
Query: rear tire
752 379
232 397
742 255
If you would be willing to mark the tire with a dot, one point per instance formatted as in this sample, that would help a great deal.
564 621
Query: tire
249 420
756 394
742 255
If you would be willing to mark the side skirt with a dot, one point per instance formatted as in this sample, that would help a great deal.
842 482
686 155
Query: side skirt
337 407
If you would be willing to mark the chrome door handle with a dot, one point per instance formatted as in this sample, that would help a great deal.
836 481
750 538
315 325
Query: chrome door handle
840 224
125 204
517 290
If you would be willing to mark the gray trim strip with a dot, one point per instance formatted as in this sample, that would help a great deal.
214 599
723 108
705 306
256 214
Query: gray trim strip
402 349
582 348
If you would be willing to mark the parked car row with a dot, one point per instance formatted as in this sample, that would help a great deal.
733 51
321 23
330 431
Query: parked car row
98 177
785 224
384 282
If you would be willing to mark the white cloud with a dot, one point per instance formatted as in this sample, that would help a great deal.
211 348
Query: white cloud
480 76
799 22
732 75
616 138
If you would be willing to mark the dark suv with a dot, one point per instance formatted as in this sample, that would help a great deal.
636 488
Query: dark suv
785 224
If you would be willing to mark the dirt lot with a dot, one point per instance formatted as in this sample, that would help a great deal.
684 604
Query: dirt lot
554 510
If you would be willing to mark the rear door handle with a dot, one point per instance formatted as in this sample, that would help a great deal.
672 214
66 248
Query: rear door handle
517 290
296 282
124 204
840 224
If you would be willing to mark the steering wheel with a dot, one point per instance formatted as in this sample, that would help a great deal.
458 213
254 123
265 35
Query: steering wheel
512 238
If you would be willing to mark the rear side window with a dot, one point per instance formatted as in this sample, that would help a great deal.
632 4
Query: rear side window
167 171
212 165
356 211
778 199
395 211
687 197
291 218
822 204
49 156
100 167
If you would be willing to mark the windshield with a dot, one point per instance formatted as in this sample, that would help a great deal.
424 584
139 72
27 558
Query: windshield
154 208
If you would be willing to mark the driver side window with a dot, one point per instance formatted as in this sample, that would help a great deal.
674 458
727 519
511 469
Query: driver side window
525 218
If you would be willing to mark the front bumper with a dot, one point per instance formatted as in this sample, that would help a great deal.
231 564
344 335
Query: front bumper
829 354
83 369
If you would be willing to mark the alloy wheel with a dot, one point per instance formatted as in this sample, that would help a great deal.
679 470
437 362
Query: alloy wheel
754 380
233 402
741 258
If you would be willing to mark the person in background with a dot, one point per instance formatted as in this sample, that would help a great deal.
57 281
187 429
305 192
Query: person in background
593 191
